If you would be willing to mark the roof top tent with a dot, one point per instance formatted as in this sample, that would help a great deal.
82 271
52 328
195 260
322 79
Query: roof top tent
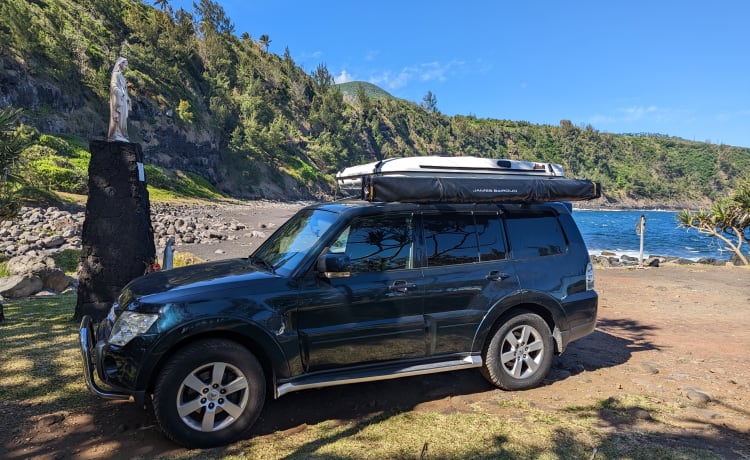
463 179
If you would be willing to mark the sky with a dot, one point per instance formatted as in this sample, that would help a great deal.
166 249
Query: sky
680 68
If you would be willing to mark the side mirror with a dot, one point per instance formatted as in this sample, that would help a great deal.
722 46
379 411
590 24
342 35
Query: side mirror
332 265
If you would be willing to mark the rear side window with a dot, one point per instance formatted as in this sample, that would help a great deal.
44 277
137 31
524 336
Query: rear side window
491 238
535 236
462 238
450 239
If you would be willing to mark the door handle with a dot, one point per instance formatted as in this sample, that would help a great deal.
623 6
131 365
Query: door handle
496 275
401 286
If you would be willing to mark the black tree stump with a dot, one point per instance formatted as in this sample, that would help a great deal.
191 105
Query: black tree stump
117 238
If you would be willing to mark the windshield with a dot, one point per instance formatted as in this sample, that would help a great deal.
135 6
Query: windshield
290 244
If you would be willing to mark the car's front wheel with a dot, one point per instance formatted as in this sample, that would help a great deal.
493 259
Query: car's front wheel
209 394
519 355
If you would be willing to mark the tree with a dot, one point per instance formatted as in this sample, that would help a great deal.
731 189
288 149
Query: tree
728 220
162 4
11 146
265 40
429 102
322 78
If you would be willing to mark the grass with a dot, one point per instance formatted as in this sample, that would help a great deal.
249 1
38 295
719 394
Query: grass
44 377
42 339
67 260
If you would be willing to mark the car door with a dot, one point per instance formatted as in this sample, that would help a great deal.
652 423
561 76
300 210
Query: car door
466 273
373 315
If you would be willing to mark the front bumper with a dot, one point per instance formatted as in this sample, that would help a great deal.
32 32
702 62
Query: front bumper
90 355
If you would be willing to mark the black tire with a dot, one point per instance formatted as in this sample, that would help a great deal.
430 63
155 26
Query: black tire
209 394
519 355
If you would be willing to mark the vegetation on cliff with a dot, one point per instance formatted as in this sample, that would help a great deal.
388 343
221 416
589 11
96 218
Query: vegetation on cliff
214 105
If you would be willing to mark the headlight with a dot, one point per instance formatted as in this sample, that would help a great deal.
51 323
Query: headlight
130 325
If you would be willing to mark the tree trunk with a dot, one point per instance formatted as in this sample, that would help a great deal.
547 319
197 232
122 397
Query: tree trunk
117 237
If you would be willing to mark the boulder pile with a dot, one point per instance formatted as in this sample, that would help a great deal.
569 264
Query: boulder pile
611 260
29 242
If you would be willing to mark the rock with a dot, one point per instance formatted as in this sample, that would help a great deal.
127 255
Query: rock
681 261
699 398
56 280
650 368
30 263
216 235
53 241
51 419
16 286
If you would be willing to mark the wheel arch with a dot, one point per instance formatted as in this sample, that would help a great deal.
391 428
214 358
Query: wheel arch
250 336
547 309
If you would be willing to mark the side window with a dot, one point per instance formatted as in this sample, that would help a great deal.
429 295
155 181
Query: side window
535 236
491 237
377 243
450 239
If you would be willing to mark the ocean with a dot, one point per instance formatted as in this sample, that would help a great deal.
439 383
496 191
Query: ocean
615 231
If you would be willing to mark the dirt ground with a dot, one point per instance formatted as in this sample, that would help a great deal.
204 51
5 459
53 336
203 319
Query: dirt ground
679 335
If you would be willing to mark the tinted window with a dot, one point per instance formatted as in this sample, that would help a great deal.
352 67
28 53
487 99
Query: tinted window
491 238
377 243
535 236
450 239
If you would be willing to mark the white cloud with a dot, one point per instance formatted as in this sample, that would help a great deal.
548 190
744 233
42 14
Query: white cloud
430 71
638 113
343 77
633 114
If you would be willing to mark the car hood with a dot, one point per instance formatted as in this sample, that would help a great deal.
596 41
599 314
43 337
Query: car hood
170 285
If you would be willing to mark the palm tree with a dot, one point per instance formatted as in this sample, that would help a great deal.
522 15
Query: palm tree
265 41
162 4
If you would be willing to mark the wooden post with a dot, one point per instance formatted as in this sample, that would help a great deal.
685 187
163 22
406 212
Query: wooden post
117 237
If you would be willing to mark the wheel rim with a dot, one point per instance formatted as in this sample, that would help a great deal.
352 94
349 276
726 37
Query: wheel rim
522 351
212 397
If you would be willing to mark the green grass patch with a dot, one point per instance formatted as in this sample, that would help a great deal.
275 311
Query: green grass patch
67 260
169 185
46 367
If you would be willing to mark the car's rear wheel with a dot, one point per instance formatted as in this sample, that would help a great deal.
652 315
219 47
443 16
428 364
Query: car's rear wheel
209 393
519 355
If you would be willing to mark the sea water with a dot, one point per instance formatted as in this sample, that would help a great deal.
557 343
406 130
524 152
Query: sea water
615 231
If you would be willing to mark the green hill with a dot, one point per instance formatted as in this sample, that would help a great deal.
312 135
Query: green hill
211 107
351 90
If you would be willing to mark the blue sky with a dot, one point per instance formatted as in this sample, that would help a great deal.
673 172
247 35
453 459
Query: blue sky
673 67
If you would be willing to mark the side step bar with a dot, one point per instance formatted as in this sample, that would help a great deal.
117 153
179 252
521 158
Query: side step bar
370 375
